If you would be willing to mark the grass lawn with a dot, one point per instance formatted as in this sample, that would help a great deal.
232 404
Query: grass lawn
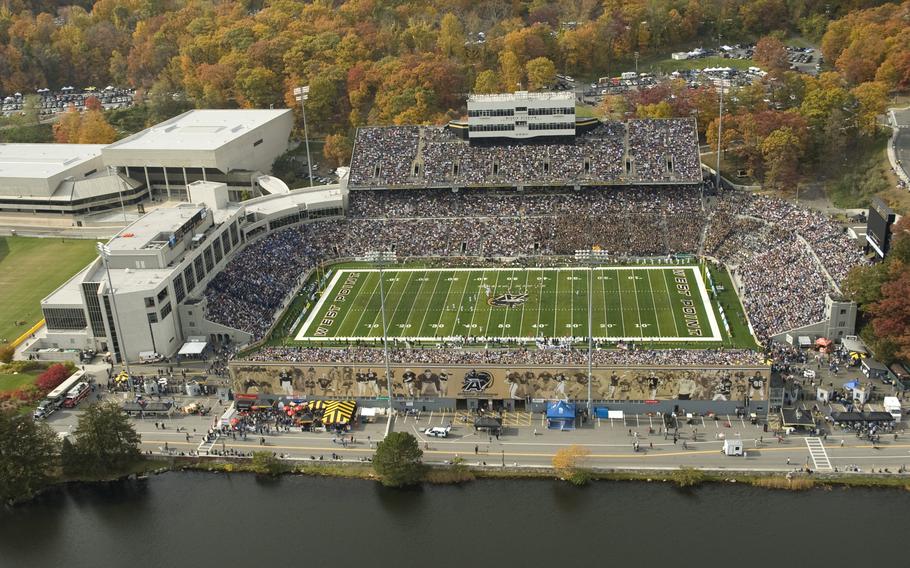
669 65
10 382
30 269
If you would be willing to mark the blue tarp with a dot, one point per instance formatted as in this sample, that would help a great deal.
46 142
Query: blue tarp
561 410
851 385
561 415
602 412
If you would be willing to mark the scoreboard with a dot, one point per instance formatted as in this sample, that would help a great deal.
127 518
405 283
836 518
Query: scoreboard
878 229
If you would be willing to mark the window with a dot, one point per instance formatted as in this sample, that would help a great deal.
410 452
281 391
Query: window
150 302
218 254
165 310
843 311
257 142
64 318
179 292
200 270
162 294
188 276
153 317
209 261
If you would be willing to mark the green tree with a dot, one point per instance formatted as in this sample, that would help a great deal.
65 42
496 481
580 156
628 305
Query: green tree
265 463
258 87
397 460
871 98
105 440
28 451
541 73
451 36
486 83
781 151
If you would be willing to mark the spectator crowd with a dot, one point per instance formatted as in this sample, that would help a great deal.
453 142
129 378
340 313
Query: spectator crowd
785 258
643 151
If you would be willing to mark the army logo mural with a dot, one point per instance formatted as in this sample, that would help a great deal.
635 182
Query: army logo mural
508 300
476 382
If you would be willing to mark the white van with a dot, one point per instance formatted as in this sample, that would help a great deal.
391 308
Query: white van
893 407
150 357
733 448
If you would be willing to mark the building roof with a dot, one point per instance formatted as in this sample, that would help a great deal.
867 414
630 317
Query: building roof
524 95
302 198
153 226
42 161
199 130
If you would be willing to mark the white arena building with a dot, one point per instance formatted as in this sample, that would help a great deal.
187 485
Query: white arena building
230 146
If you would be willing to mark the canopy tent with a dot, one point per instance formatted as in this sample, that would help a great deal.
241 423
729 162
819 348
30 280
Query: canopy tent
804 341
561 415
796 418
823 342
851 385
193 348
338 412
488 423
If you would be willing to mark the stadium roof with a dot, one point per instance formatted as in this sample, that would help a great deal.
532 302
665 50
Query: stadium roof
199 130
152 226
42 161
522 95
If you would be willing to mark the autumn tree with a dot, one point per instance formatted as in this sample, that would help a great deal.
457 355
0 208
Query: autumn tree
892 312
771 54
451 38
486 83
258 87
781 151
66 129
92 103
511 71
871 100
28 452
95 129
337 149
570 464
541 73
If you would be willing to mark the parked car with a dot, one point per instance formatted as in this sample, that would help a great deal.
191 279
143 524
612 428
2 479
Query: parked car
438 431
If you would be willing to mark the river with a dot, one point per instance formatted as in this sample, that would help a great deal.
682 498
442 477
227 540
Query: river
198 520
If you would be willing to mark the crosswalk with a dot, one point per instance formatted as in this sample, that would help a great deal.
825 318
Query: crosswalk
818 454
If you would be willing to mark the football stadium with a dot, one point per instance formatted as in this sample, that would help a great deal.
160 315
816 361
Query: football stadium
516 250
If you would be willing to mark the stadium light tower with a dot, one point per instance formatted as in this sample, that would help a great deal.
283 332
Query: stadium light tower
105 251
302 94
590 255
380 258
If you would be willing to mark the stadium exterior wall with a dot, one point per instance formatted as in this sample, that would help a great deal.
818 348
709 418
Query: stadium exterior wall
704 388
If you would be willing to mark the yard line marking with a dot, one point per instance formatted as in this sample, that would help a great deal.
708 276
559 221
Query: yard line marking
460 303
483 281
521 323
391 317
443 310
486 329
555 304
654 305
365 308
413 303
537 333
637 307
430 304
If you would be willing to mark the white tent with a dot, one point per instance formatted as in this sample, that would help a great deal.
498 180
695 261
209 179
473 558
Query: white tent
193 348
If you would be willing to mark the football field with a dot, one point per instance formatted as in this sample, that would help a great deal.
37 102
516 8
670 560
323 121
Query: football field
650 303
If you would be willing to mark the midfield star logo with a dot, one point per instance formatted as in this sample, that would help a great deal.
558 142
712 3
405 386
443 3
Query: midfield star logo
508 300
476 381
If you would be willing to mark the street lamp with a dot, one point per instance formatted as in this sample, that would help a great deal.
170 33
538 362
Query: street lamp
379 258
105 251
591 255
302 94
720 122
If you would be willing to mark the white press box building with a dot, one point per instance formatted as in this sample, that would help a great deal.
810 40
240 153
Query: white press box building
521 115
159 268
230 146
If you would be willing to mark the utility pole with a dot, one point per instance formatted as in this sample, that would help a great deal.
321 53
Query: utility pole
302 94
720 122
380 258
105 252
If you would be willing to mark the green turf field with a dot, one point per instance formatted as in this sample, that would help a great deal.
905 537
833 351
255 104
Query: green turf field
30 269
640 303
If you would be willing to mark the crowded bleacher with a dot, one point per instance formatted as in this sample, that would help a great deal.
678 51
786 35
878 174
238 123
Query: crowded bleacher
638 151
785 258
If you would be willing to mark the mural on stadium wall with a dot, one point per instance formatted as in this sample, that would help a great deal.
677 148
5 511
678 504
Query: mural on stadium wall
502 383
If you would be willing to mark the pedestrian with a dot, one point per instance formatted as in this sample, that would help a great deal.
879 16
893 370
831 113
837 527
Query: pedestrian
651 445
788 460
156 425
630 431
476 450
842 443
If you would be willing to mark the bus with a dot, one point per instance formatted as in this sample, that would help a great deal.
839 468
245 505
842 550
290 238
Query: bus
77 394
54 399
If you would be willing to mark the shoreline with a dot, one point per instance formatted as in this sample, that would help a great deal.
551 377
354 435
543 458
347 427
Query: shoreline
436 474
